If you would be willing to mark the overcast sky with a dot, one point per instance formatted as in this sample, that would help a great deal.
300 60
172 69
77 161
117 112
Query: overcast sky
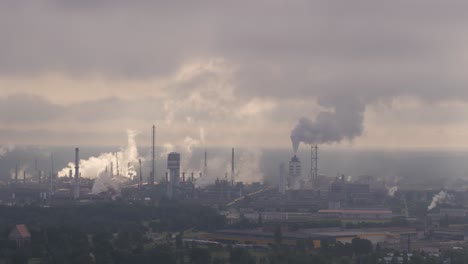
244 72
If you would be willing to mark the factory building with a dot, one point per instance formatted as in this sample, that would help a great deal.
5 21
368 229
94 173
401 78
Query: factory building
358 214
347 194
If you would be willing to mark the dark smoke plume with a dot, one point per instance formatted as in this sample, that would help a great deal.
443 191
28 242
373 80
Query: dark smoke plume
344 121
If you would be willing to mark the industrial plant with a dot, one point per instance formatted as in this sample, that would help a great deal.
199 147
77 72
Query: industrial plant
307 205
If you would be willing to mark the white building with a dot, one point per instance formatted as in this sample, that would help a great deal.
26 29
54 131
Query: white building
295 173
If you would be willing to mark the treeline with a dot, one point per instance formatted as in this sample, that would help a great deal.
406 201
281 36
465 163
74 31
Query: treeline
100 233
170 216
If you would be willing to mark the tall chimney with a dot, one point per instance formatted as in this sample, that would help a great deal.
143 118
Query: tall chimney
36 174
232 167
112 169
128 169
70 174
183 177
77 174
205 169
24 176
141 174
16 174
117 164
153 153
52 172
314 164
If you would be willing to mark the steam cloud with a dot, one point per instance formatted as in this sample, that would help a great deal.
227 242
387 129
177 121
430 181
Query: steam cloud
440 198
94 166
5 149
21 170
392 191
106 183
344 122
247 168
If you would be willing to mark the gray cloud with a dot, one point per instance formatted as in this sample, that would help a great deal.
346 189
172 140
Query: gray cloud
27 109
363 50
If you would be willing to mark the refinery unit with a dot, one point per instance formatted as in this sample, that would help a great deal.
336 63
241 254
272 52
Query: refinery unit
118 183
297 201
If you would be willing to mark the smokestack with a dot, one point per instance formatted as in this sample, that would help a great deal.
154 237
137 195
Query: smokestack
36 174
24 176
192 176
117 164
232 167
314 164
77 174
205 169
70 174
128 169
51 178
183 177
16 174
153 153
141 174
112 169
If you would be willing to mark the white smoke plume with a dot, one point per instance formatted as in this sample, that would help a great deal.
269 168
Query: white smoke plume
93 166
4 149
345 121
202 136
217 167
392 191
106 184
440 198
247 168
184 147
21 170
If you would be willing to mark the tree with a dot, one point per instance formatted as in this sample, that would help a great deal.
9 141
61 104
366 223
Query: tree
161 254
200 256
278 236
361 246
241 256
123 240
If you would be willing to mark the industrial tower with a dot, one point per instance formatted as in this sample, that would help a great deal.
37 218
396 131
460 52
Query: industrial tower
313 164
153 153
